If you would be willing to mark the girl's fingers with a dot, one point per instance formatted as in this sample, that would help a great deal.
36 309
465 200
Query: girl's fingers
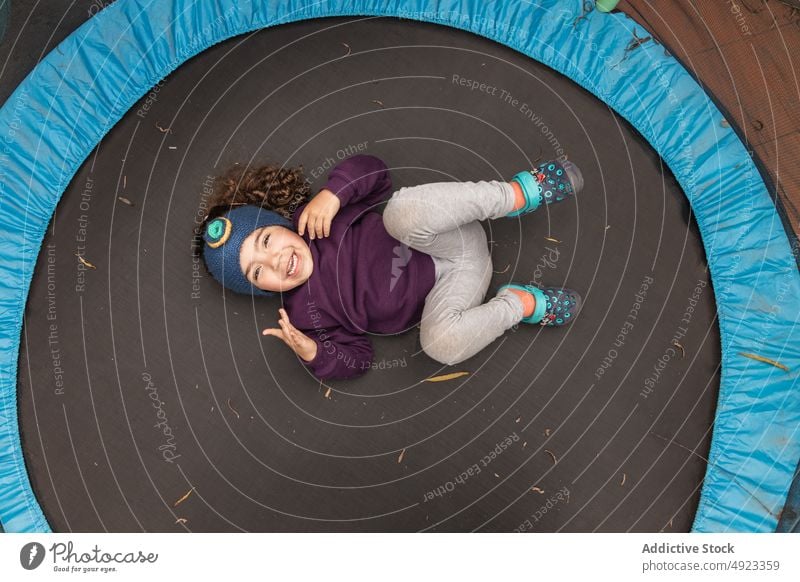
291 337
294 336
321 228
317 216
285 332
272 331
283 336
288 328
312 229
317 225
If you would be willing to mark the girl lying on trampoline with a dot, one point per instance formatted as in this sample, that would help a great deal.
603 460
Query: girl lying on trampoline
345 271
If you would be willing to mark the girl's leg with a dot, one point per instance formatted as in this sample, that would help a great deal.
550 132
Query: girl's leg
456 324
441 220
424 217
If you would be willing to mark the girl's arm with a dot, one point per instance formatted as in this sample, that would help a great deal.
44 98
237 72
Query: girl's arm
362 178
340 354
329 353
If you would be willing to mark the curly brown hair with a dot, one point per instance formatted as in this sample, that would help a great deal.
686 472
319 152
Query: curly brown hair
278 188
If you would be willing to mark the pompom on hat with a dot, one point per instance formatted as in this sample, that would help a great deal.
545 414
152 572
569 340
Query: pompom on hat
223 237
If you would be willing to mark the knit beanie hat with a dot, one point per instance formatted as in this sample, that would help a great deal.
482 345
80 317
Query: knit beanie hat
223 238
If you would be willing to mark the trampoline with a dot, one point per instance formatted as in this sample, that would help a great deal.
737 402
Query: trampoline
137 396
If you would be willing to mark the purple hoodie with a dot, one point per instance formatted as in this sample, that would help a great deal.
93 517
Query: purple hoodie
363 280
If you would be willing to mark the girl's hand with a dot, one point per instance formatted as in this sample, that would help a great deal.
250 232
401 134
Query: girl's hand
318 214
301 344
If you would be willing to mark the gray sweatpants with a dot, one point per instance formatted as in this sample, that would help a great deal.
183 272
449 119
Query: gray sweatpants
441 220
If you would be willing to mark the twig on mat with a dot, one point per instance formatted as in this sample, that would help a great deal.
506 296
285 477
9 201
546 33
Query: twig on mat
184 498
765 360
587 8
236 412
446 377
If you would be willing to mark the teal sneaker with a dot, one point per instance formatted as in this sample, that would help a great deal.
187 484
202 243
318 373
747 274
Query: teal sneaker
551 182
555 306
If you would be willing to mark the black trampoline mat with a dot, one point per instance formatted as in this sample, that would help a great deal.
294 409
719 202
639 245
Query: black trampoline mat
140 381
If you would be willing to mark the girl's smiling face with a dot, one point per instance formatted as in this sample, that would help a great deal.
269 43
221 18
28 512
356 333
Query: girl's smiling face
275 258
